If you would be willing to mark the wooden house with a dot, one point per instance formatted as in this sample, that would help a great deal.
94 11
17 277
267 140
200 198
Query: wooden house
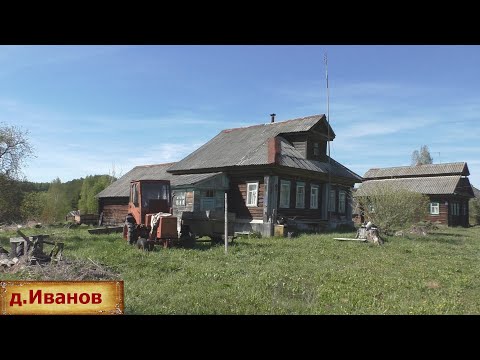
278 169
446 185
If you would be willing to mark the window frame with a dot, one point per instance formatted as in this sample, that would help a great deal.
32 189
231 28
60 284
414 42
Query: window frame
317 188
432 207
299 185
282 183
182 196
344 193
255 203
332 204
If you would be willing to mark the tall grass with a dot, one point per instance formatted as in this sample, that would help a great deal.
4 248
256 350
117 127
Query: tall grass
311 274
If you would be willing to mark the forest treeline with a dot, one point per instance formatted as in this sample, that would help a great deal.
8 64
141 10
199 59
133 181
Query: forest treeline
22 201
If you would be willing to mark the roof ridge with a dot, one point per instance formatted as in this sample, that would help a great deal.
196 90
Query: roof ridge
151 165
274 123
413 166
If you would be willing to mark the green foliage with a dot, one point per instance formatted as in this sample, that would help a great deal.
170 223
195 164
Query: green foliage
474 211
92 185
422 157
10 199
436 274
14 150
254 235
72 189
56 204
392 208
33 205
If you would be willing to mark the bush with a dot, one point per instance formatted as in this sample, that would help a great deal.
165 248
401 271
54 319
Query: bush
392 208
474 211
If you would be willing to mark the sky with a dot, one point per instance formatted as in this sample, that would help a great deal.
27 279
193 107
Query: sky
104 109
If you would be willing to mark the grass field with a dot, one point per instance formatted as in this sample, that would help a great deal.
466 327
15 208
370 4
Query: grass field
311 274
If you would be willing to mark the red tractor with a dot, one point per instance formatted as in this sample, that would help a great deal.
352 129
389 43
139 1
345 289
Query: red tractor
150 220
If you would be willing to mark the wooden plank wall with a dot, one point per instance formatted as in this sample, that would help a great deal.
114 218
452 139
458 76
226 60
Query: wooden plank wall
237 196
443 216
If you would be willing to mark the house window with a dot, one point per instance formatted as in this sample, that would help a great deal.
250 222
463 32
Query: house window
314 197
180 198
454 208
300 198
434 208
342 200
331 202
209 193
284 194
316 149
252 193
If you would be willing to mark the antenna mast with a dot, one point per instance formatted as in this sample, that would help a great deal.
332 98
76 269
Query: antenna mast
328 138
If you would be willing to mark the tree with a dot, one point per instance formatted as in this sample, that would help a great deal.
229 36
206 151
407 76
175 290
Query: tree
56 203
14 150
92 185
10 199
33 205
422 157
391 207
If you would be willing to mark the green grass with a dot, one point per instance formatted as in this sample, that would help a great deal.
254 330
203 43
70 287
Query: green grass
311 274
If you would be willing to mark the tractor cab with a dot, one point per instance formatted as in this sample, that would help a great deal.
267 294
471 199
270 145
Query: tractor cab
149 197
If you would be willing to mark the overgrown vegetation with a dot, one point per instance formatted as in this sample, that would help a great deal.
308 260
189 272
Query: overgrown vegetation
393 208
474 208
92 185
310 274
48 203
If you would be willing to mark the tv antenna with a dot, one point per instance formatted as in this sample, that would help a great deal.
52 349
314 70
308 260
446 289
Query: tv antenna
328 138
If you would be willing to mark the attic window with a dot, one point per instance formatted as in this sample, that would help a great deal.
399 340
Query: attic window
316 149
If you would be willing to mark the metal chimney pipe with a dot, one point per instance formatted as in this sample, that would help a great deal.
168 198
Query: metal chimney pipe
273 117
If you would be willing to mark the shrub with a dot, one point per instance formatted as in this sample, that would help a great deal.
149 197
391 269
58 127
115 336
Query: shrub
393 208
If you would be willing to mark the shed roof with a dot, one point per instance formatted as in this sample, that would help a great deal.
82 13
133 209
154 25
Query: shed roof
435 185
457 168
121 187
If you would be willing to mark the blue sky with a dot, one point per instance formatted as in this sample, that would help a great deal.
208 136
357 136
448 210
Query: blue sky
92 109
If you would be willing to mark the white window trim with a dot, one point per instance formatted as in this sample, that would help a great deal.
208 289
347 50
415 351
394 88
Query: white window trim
178 197
344 202
299 185
284 182
255 203
437 207
316 197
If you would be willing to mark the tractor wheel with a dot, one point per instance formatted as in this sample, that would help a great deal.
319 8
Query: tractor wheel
188 241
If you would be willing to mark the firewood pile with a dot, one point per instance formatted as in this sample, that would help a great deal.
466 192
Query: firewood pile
28 259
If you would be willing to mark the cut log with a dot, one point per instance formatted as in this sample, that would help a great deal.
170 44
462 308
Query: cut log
363 240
